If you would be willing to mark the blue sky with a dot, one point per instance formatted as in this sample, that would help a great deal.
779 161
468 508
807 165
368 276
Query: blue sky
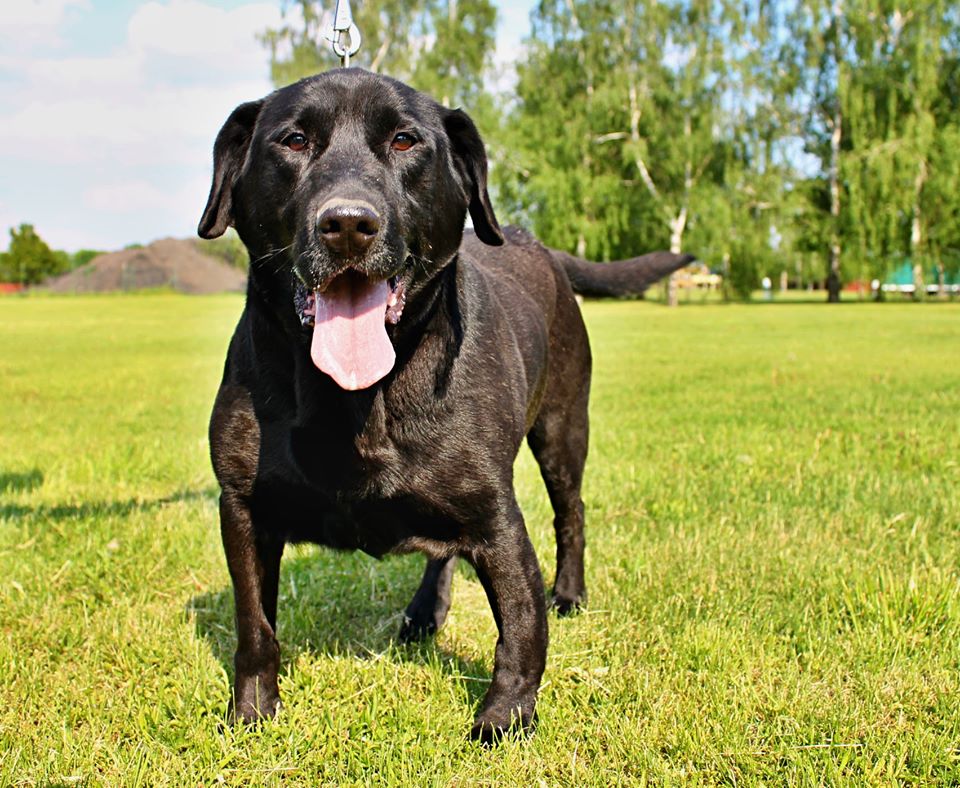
108 110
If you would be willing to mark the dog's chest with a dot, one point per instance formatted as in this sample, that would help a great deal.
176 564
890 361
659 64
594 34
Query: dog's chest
345 457
389 484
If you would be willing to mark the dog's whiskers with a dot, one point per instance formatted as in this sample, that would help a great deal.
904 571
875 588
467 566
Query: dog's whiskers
271 255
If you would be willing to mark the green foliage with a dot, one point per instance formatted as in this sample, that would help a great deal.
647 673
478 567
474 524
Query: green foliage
442 47
28 260
940 198
569 133
451 68
648 125
744 272
651 125
772 559
889 71
387 27
228 247
891 128
83 256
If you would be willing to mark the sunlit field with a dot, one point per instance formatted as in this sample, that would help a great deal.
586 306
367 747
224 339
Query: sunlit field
773 561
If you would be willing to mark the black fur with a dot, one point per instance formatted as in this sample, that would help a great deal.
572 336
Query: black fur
620 278
491 349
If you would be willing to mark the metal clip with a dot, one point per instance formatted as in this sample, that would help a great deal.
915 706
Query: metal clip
343 34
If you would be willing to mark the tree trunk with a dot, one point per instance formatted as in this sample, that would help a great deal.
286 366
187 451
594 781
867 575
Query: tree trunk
919 286
676 224
726 276
836 132
833 278
676 243
377 63
916 227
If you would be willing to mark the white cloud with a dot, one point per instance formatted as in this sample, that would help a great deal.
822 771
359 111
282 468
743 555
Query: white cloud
51 77
168 125
186 28
513 27
126 197
130 104
101 132
183 203
36 13
29 23
7 220
111 142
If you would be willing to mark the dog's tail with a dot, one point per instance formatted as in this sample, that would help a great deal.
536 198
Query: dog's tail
621 277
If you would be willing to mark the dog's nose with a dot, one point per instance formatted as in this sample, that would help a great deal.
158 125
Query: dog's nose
348 227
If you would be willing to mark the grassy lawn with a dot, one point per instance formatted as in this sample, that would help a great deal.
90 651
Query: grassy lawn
773 562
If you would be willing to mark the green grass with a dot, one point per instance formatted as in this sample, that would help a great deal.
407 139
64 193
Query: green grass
690 297
773 563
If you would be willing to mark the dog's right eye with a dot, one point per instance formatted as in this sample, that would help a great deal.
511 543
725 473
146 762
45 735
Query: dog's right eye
296 141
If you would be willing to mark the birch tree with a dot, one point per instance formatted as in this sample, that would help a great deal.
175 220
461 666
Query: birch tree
818 45
894 88
443 47
640 88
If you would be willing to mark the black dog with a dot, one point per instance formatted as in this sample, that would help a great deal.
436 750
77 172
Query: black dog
392 424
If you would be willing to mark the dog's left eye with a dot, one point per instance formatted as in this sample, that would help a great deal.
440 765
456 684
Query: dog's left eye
296 141
403 141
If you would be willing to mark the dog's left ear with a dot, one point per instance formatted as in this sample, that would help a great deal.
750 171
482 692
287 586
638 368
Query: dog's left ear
471 159
229 152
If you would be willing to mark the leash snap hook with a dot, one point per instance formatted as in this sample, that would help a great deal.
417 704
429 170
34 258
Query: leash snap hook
343 34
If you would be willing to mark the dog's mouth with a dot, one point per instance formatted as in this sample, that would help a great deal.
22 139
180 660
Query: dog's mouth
306 302
349 316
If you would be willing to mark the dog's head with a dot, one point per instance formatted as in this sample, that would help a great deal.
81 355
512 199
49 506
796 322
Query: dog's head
350 190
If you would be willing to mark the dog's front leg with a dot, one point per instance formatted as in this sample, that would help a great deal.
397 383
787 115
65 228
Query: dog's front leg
510 574
254 563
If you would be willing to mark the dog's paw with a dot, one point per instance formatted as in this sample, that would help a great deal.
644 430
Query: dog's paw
248 710
416 629
492 726
567 606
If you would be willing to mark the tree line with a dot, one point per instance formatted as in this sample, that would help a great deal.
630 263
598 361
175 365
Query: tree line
29 260
820 139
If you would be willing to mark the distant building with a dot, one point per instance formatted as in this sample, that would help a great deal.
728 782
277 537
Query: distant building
904 279
697 276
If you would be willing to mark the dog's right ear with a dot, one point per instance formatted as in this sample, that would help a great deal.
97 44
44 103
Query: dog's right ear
229 152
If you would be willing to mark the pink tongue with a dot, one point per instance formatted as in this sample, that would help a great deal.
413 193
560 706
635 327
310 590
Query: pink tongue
350 341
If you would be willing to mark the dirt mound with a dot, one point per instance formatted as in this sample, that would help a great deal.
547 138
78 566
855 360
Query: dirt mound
171 262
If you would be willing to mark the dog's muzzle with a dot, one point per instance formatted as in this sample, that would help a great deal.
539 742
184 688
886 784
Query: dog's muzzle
305 302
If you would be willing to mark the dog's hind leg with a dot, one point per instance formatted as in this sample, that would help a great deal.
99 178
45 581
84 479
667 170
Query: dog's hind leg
558 440
428 609
560 450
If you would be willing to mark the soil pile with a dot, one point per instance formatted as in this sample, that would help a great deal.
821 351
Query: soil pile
171 262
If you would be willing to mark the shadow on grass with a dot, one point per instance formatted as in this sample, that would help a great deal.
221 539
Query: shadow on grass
72 511
20 481
335 604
